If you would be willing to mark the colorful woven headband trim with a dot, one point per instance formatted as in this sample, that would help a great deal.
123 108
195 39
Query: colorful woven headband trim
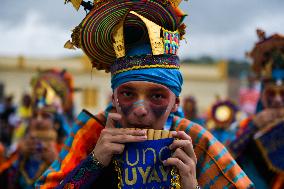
137 62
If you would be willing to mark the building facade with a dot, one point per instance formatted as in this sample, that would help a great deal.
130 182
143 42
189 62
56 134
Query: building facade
204 81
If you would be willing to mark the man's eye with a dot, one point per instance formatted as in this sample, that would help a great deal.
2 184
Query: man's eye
47 116
157 96
127 94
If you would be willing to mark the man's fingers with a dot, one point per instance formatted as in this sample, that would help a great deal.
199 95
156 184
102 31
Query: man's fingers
116 148
180 154
181 135
112 119
175 162
185 143
186 146
116 131
127 138
280 113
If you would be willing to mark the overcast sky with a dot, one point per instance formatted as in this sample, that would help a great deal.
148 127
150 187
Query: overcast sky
218 28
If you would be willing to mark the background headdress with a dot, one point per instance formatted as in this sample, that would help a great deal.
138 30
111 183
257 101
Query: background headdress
268 56
52 85
223 113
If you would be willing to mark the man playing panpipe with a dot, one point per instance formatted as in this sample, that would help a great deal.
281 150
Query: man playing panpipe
137 41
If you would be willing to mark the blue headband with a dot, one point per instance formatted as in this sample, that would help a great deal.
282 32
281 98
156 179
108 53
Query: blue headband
278 74
171 78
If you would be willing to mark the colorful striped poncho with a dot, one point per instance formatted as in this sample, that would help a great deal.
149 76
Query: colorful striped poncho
215 168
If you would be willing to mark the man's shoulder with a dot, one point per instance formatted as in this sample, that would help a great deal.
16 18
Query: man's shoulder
199 135
193 129
212 155
86 129
86 119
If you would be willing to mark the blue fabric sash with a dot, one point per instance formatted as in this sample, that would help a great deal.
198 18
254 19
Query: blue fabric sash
141 164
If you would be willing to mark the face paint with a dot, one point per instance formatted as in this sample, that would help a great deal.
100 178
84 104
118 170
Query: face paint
139 103
159 111
160 102
273 96
144 104
125 99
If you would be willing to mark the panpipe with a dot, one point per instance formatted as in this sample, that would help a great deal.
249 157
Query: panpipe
153 134
141 163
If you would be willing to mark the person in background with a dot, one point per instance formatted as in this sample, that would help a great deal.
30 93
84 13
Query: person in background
24 113
35 151
7 121
258 147
190 110
40 137
55 88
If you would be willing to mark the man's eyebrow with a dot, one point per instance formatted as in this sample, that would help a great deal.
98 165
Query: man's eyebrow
126 88
158 89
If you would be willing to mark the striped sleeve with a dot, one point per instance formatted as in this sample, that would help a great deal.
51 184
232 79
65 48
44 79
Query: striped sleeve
80 142
215 168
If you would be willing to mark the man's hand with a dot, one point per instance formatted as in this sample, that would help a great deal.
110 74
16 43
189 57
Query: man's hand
49 153
112 140
184 159
25 147
267 116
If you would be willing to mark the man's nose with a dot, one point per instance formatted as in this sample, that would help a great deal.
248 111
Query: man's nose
140 111
278 99
39 118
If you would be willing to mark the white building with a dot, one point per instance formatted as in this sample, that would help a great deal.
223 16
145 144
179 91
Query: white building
204 81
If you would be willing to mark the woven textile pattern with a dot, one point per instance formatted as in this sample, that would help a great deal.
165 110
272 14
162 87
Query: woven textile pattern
215 166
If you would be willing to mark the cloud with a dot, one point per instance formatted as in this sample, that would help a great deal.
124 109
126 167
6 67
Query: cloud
34 38
52 12
219 28
227 29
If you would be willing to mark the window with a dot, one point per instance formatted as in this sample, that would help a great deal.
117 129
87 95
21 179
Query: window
90 97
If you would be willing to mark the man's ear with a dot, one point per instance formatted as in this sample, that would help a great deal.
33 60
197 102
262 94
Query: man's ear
176 104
